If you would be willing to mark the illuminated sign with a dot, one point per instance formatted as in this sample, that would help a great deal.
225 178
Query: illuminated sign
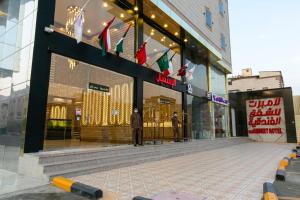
165 80
101 88
217 99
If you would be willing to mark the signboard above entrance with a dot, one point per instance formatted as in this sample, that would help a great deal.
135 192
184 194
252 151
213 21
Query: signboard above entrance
165 80
97 87
217 99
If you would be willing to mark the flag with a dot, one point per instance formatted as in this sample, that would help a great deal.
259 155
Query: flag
163 61
104 38
169 71
189 74
141 54
119 47
78 27
182 70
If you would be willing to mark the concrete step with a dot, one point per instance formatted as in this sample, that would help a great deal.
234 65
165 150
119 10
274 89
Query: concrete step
75 162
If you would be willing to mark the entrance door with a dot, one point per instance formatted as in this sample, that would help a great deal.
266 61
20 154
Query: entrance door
159 105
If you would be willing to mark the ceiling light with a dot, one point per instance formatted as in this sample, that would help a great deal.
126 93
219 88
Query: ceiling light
162 39
152 16
166 25
61 29
176 33
122 15
152 33
89 31
170 45
155 50
104 24
135 8
185 40
105 5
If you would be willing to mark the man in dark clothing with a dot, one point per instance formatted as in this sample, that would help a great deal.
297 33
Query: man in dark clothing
136 125
175 123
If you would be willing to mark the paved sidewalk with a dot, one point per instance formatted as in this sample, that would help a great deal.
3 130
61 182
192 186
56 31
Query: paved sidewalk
235 173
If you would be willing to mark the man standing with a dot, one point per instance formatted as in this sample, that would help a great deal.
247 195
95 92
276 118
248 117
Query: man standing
136 125
175 123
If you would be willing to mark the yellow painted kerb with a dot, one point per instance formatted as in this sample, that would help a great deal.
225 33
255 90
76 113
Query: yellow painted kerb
270 196
63 183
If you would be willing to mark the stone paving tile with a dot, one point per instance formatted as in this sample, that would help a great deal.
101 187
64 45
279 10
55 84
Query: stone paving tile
232 173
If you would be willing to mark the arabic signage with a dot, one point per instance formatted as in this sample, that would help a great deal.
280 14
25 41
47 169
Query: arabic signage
162 79
217 99
101 88
266 120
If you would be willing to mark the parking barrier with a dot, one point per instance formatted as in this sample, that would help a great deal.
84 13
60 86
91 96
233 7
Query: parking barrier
269 192
77 188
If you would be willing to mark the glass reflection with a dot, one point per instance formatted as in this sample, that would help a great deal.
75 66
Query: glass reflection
17 28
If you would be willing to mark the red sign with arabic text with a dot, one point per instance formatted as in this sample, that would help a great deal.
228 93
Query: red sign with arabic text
266 120
166 80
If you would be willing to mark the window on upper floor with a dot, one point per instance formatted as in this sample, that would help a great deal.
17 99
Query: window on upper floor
223 42
208 16
221 8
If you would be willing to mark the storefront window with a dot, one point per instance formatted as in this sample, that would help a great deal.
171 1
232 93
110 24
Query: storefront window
221 120
199 81
87 105
96 15
17 29
159 105
199 120
218 86
157 46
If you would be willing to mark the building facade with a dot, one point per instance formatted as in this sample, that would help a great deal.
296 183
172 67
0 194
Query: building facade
249 82
55 93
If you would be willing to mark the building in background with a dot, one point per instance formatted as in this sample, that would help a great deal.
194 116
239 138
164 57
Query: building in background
249 82
55 93
296 100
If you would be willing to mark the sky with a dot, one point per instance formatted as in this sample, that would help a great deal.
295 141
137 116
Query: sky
265 35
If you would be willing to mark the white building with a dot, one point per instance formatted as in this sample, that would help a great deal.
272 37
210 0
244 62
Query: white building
249 82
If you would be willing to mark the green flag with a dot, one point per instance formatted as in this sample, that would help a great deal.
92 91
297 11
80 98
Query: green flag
163 62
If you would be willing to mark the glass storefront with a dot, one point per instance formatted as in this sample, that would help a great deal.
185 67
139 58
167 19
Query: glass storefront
221 120
17 30
159 105
157 46
221 112
96 15
198 117
87 105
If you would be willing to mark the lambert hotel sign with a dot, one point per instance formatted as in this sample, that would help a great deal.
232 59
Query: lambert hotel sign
266 120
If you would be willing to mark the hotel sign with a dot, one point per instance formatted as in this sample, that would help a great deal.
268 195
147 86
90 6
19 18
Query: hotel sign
162 79
217 99
266 119
101 88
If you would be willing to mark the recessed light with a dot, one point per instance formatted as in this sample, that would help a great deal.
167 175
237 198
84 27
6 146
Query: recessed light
89 31
155 50
104 23
152 16
61 29
176 33
185 40
166 25
162 39
152 33
105 5
136 8
170 45
122 15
